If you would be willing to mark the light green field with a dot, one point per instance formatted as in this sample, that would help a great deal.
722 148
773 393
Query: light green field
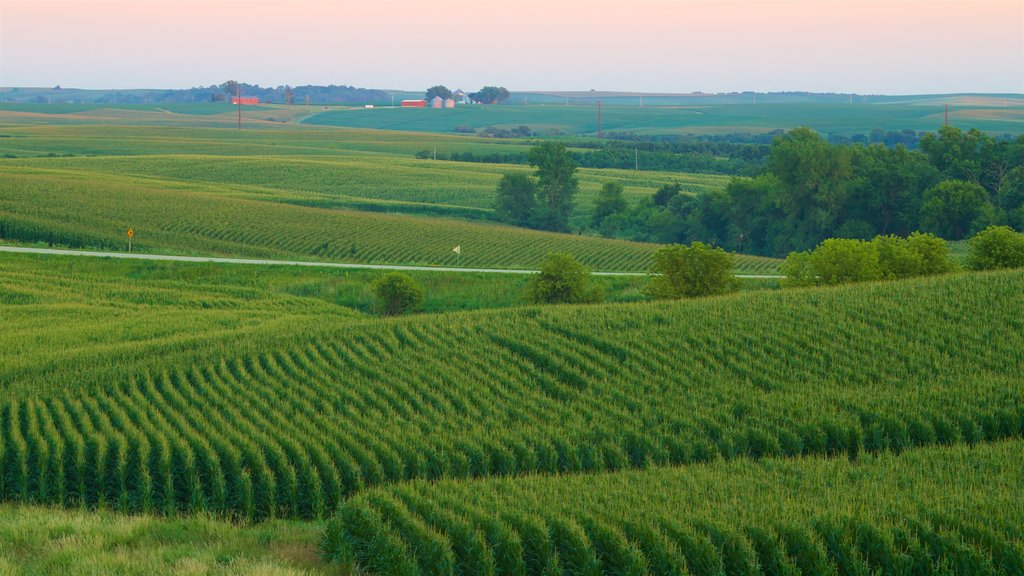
834 118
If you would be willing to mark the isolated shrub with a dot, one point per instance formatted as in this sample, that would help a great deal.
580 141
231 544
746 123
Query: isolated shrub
687 271
562 279
996 247
397 293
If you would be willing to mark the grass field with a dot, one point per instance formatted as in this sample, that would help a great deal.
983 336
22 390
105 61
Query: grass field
37 541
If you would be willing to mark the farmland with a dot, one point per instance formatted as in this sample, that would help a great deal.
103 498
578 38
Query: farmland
545 112
834 118
947 510
166 417
182 427
299 193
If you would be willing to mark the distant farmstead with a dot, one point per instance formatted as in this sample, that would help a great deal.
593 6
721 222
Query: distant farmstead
244 100
414 103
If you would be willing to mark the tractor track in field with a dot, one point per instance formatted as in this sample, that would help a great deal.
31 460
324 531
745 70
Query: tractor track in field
346 265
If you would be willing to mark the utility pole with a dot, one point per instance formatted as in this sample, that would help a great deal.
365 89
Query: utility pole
947 114
238 97
636 157
600 134
641 101
307 104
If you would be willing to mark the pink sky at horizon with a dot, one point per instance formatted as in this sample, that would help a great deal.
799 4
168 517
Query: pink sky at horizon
901 47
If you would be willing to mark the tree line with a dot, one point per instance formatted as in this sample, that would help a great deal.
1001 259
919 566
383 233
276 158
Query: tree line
957 184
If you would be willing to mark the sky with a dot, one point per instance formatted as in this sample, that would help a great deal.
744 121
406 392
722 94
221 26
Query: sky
865 47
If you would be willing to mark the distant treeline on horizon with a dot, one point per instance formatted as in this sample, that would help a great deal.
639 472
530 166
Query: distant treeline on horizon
213 93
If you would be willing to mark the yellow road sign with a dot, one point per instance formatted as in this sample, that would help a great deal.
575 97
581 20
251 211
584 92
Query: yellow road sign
131 232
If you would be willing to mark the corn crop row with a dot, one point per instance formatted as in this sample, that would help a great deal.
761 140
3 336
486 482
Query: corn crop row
289 425
929 511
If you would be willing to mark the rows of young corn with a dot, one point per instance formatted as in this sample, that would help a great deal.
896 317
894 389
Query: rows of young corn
83 209
948 510
288 423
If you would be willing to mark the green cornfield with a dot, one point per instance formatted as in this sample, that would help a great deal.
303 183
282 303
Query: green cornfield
941 510
83 209
288 417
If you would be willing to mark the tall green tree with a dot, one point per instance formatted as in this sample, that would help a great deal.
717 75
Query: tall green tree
814 177
556 185
516 199
609 201
954 209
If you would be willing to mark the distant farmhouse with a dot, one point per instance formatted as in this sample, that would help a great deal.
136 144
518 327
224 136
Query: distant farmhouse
246 100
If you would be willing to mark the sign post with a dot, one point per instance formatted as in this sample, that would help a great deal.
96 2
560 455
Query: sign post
131 234
458 250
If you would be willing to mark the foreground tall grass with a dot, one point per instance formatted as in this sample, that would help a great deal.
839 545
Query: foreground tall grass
287 418
949 510
40 541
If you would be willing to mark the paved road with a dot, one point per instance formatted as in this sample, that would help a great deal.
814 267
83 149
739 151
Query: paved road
261 262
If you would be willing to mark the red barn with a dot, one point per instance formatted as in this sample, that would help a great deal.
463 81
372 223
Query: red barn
245 100
414 103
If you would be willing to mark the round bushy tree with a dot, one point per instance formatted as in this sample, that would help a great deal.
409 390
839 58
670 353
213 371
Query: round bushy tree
397 293
996 247
687 271
562 280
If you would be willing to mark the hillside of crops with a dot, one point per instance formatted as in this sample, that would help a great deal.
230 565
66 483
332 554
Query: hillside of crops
344 180
947 510
294 416
80 209
832 118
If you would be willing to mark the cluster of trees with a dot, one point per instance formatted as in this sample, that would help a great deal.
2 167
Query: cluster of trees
678 272
546 201
956 185
287 94
844 260
486 95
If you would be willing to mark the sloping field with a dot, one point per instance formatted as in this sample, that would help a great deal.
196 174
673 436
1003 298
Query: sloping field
294 416
341 178
82 209
948 510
